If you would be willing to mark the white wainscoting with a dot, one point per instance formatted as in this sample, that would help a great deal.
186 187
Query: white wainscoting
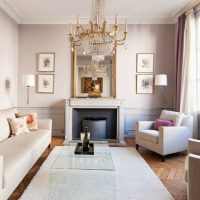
56 114
131 115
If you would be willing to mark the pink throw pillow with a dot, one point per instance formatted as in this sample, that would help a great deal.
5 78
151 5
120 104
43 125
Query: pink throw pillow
161 122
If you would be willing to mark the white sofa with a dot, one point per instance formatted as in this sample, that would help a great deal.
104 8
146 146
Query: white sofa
166 140
19 153
192 170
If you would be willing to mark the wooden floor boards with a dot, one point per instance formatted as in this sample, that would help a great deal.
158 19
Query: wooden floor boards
170 172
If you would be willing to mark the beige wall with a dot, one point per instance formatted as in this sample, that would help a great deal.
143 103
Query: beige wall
141 38
159 39
44 38
8 61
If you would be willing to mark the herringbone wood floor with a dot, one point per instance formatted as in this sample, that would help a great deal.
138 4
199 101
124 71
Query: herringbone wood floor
171 172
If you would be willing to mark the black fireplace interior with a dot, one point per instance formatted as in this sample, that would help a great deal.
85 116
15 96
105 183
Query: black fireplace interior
95 114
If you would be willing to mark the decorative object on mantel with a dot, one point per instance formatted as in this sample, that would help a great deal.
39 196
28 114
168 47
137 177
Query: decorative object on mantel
95 90
161 81
144 84
46 62
45 83
86 84
28 81
97 40
145 62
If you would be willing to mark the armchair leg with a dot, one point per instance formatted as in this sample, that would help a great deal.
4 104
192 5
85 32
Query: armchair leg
163 158
137 146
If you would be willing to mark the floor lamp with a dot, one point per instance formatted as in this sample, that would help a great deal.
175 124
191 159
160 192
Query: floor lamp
161 81
28 81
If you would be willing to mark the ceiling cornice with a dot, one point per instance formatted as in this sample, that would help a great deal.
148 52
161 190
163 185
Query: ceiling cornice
17 16
10 11
187 7
86 20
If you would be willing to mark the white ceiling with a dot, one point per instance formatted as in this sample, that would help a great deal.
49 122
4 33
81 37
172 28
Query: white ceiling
65 11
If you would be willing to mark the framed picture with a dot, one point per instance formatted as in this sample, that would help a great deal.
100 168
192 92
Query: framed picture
144 84
86 84
46 62
45 83
145 62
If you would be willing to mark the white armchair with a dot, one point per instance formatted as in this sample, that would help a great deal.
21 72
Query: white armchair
192 169
166 140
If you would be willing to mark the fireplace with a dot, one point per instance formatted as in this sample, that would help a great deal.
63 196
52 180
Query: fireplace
102 122
79 109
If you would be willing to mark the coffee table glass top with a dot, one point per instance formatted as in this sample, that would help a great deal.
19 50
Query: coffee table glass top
101 160
83 177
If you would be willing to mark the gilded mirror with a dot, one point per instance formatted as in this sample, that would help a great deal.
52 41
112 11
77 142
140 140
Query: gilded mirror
93 76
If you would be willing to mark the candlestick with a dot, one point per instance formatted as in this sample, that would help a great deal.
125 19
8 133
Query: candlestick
116 19
71 28
78 20
125 25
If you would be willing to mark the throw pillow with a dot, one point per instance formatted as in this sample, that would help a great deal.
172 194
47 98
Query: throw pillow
176 117
160 122
31 120
18 125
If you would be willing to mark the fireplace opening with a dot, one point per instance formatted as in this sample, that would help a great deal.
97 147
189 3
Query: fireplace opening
102 122
96 126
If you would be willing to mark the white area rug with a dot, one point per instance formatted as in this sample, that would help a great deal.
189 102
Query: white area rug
134 178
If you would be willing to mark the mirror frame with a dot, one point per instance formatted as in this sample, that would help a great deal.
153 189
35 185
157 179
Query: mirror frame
75 76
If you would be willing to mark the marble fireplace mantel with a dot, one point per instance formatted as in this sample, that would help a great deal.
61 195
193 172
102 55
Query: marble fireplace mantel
111 103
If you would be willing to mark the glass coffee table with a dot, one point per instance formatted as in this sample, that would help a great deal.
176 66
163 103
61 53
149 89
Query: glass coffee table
83 177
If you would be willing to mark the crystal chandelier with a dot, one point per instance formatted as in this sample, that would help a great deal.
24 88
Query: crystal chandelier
95 68
97 40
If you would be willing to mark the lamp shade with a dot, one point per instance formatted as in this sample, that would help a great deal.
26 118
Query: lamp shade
28 80
161 80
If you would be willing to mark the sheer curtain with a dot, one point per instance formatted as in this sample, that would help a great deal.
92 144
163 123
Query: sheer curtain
188 97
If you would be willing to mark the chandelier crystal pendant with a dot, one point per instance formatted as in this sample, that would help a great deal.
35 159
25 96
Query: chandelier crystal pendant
97 40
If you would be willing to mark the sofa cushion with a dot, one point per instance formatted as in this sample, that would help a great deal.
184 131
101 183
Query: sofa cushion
162 122
176 117
5 128
150 135
19 153
18 125
31 120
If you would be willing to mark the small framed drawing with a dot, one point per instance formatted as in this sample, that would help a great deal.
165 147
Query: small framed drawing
45 83
145 62
46 62
144 84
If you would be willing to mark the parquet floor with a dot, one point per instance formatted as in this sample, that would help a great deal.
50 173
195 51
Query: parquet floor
171 172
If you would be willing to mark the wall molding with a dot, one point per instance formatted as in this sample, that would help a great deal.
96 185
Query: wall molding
9 9
18 17
131 115
85 20
187 7
56 114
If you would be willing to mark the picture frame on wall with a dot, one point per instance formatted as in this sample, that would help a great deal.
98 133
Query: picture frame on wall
145 63
144 83
86 84
46 62
45 83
